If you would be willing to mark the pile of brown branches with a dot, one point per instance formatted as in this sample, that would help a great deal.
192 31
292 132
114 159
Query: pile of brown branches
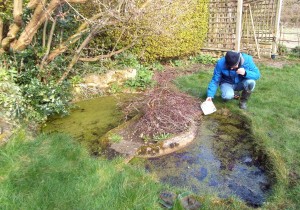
163 111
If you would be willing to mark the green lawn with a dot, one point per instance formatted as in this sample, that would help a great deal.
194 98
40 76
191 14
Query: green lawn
53 172
274 113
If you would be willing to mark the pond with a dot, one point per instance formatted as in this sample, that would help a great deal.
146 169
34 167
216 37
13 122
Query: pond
219 161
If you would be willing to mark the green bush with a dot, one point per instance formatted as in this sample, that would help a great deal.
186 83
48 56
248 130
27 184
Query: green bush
47 99
12 102
157 66
176 31
176 63
182 38
296 52
33 101
29 93
204 59
142 80
127 60
282 49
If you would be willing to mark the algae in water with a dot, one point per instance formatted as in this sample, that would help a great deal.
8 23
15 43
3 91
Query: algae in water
90 120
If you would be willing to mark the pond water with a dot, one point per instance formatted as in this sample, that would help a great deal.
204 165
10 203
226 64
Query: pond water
219 161
89 121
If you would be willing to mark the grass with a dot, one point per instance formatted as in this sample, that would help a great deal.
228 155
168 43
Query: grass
273 111
53 172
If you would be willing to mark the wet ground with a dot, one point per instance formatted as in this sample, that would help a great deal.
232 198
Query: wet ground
219 161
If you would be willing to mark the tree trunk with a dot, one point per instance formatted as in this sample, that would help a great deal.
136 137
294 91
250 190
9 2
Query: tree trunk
13 29
38 18
18 10
32 4
11 35
99 57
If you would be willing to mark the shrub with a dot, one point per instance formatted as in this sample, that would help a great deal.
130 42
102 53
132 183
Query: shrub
47 99
296 52
12 102
142 80
204 59
282 49
127 60
181 38
175 30
34 101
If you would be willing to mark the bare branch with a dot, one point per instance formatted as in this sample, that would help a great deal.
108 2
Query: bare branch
99 57
78 51
164 111
44 33
49 41
71 40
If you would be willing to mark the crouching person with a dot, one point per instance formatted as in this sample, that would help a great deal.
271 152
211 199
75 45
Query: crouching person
233 73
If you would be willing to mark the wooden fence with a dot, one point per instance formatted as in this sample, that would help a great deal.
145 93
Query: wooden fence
289 37
258 20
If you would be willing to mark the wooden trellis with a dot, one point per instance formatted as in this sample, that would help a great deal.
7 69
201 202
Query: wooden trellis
250 26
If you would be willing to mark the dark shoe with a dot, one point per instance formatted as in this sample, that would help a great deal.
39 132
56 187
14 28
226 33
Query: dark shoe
243 105
244 98
236 95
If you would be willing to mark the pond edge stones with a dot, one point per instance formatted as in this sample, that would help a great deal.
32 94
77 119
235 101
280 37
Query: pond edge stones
169 145
131 149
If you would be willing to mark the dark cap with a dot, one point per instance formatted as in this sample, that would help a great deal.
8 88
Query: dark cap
232 58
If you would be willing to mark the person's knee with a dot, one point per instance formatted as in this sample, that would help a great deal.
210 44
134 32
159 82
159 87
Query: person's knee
227 91
227 95
250 85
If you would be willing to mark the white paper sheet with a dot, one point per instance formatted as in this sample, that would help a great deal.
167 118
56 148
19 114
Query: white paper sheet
208 107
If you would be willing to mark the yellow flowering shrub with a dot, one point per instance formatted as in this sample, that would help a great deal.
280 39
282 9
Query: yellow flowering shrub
182 35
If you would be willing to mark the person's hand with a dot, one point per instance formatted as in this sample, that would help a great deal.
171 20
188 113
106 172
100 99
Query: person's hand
241 71
208 99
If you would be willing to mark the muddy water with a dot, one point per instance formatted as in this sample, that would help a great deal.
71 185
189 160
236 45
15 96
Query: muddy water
89 120
219 162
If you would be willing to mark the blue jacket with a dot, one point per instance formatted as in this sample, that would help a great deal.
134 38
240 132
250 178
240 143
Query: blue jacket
224 75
